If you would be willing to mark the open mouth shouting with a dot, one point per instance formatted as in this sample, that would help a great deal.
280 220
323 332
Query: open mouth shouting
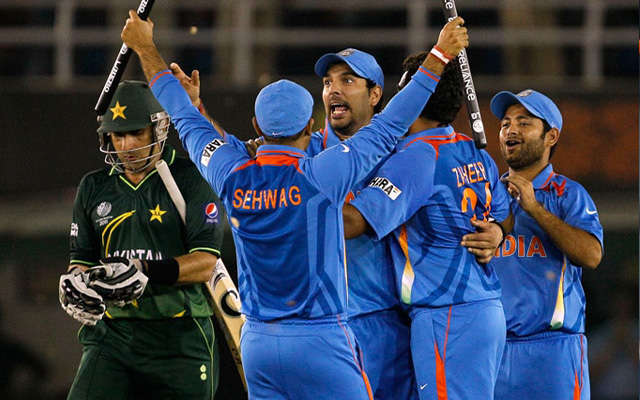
338 109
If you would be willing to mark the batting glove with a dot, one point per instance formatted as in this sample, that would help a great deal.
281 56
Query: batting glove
81 302
118 280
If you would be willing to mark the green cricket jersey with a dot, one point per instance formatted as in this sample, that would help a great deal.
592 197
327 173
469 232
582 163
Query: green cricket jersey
111 217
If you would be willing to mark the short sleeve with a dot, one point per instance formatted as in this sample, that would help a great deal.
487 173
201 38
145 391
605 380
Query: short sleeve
83 247
403 184
579 210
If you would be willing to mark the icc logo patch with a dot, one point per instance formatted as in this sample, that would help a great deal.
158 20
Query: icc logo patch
211 212
525 93
104 209
346 52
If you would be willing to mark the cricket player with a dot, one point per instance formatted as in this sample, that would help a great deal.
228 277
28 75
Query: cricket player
352 84
285 212
557 233
424 199
148 332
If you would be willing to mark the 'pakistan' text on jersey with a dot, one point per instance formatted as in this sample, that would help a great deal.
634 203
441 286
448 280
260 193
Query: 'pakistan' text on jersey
285 208
112 217
426 194
541 287
372 285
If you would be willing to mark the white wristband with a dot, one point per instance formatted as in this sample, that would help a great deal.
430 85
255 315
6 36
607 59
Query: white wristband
440 55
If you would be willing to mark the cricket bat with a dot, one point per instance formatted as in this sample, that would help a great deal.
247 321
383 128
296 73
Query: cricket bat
471 98
223 293
226 306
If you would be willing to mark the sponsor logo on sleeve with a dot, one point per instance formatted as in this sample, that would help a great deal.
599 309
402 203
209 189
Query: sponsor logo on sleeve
386 186
74 229
211 213
209 149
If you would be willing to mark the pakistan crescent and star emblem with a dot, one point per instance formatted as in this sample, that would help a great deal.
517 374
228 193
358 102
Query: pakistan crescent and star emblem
157 214
118 111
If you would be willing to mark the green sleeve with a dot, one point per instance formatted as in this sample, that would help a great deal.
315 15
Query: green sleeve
84 245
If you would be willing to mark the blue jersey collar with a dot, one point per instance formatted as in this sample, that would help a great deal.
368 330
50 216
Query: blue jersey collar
542 180
444 132
329 136
281 150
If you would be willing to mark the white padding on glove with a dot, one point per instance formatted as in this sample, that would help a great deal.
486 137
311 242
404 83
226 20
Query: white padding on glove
118 280
80 301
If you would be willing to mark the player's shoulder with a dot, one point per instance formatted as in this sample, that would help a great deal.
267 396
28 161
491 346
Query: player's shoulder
564 186
181 163
316 144
97 177
318 135
183 168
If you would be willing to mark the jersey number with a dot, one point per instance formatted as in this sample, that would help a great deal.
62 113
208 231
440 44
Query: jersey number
470 199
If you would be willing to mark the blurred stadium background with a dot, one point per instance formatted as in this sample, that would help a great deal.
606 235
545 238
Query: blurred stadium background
55 55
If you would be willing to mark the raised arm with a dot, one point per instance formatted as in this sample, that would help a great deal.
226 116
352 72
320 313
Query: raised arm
356 156
138 36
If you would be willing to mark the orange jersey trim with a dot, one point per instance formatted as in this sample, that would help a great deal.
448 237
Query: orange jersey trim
437 141
279 160
158 75
441 376
429 74
365 378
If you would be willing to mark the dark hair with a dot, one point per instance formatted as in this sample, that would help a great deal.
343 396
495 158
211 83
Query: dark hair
370 85
446 101
546 128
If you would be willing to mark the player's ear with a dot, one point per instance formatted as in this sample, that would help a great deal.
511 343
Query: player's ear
552 137
308 130
254 121
375 95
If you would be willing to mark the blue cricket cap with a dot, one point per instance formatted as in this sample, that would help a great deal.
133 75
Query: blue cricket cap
363 64
535 102
283 108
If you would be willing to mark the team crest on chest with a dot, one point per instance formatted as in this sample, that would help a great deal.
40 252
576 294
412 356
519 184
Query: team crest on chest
156 214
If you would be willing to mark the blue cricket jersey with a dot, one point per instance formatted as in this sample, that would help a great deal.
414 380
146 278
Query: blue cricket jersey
541 287
425 194
369 268
285 209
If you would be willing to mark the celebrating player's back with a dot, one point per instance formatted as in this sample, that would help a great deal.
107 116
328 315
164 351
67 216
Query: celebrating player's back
285 212
423 199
